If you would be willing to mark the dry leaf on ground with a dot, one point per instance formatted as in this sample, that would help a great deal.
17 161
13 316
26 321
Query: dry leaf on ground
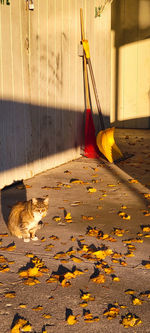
88 317
20 324
71 320
124 216
112 312
10 247
130 320
4 268
136 301
38 308
91 189
10 294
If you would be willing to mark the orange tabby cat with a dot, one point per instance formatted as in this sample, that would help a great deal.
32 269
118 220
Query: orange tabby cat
24 218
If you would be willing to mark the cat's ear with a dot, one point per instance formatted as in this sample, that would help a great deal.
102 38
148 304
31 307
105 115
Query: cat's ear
46 200
34 201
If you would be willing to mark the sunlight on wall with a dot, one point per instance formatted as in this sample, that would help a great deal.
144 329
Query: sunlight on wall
130 64
133 81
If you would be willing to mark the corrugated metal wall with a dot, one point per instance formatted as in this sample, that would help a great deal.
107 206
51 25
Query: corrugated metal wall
131 63
41 82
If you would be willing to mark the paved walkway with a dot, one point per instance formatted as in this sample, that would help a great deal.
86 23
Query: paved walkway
94 247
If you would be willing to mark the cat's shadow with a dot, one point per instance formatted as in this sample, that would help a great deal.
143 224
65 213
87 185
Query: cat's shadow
10 195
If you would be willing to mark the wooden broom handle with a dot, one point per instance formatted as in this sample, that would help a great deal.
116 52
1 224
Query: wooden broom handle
96 94
85 64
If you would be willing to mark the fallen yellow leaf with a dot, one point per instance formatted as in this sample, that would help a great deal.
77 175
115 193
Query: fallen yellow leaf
91 189
77 272
2 259
70 251
146 213
147 265
26 328
68 217
57 218
46 316
38 308
29 255
87 296
33 271
31 281
99 279
10 247
49 247
89 218
65 283
136 301
102 254
123 263
112 312
108 270
133 181
60 255
88 317
66 185
132 240
53 279
146 294
83 304
53 237
22 306
76 259
43 239
76 181
4 268
147 195
130 320
21 323
92 231
10 294
146 228
124 216
72 239
71 320
115 278
68 275
119 232
129 254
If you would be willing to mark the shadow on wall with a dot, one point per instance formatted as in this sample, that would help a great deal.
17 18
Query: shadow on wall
130 21
30 133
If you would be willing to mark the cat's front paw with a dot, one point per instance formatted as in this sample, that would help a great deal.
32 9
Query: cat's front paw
35 238
26 240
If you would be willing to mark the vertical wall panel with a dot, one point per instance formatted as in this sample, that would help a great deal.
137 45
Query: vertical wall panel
41 83
131 63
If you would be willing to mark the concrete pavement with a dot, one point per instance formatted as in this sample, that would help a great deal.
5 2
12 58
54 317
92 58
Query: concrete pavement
94 247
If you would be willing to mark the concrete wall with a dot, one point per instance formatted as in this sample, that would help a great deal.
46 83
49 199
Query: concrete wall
130 106
41 83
